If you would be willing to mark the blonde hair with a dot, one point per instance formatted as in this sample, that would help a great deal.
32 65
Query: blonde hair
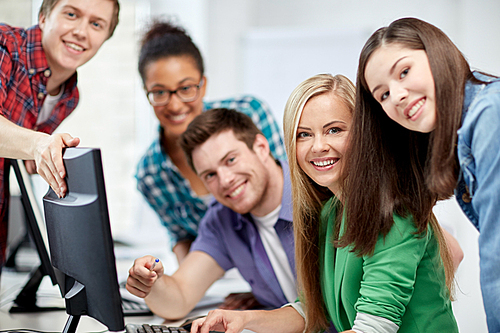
307 196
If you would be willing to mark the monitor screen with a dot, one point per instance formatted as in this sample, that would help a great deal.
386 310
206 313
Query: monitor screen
81 245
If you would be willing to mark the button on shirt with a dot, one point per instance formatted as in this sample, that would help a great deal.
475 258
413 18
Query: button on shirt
232 240
22 90
170 194
478 188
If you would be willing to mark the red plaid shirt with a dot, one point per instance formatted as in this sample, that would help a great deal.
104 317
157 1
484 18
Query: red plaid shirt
23 78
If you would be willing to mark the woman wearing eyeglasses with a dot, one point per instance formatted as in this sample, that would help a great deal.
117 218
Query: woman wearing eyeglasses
171 68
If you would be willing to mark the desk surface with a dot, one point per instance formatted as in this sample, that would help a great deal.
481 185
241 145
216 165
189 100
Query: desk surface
54 321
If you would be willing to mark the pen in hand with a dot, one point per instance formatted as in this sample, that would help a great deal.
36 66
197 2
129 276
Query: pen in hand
154 264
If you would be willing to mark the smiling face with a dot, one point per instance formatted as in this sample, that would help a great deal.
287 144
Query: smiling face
173 73
322 135
233 173
400 79
74 31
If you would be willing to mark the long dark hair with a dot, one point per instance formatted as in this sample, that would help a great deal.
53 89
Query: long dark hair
163 40
395 170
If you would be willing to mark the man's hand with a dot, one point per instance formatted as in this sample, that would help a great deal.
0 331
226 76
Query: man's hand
48 160
30 166
142 276
241 301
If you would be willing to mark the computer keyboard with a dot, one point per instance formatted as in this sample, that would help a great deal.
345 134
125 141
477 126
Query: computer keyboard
132 308
145 328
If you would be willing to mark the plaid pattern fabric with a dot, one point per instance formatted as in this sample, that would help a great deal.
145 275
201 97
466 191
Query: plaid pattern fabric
24 72
169 193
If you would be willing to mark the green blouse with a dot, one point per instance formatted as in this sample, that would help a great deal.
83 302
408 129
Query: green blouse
403 281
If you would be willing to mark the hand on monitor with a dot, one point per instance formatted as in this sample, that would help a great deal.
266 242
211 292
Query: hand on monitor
143 275
49 162
30 167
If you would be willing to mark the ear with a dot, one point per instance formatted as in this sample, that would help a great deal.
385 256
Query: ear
41 21
261 147
203 89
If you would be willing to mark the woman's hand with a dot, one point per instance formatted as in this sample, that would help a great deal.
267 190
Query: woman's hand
220 320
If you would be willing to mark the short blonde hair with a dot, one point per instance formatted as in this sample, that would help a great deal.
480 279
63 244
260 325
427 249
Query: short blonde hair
48 5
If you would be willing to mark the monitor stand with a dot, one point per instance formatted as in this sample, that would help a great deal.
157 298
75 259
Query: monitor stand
11 261
26 299
71 324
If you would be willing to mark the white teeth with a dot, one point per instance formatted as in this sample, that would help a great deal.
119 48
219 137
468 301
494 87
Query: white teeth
74 46
237 191
324 163
178 117
415 108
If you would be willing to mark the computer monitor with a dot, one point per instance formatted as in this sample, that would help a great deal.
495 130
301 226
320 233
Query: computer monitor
81 245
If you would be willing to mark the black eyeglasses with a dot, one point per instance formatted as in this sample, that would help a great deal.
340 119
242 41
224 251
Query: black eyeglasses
185 93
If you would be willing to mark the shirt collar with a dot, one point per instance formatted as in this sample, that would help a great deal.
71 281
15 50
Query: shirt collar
36 55
472 89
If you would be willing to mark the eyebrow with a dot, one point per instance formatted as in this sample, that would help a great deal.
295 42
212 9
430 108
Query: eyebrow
156 85
333 122
222 159
79 11
390 73
324 126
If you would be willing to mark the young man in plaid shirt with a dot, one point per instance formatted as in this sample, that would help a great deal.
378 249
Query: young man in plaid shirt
38 87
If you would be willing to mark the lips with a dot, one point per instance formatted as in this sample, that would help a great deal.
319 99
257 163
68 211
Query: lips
178 117
411 110
73 46
237 191
324 163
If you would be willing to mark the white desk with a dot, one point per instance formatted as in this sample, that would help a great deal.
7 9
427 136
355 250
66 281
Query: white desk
54 321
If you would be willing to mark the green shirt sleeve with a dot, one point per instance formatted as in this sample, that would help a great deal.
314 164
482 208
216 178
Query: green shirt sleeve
389 274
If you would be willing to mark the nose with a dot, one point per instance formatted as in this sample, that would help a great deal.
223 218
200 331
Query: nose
174 104
226 177
80 29
397 93
319 144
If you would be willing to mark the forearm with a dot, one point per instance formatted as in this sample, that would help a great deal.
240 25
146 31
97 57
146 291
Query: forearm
285 320
173 297
17 142
168 300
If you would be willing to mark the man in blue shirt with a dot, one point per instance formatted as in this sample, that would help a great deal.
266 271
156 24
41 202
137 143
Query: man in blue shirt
170 193
249 227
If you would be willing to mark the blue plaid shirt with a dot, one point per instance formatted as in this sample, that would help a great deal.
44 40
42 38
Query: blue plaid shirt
170 194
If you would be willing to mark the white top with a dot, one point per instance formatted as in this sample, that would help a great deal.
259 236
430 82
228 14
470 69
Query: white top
48 105
276 253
